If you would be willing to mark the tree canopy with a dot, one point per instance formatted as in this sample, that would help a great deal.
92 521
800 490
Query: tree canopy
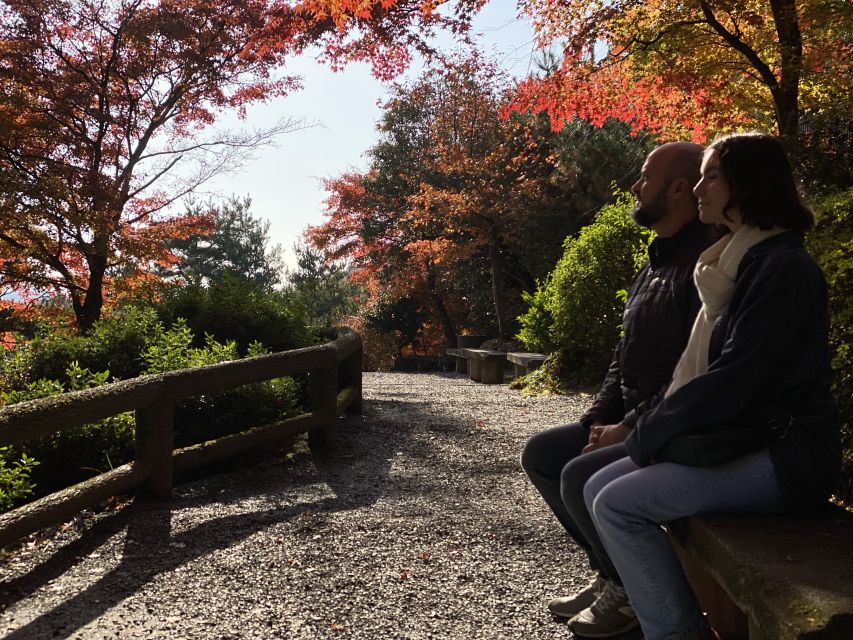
100 100
691 67
239 244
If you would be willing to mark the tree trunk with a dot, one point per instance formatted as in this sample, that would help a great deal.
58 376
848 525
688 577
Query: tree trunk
89 310
498 286
787 94
440 309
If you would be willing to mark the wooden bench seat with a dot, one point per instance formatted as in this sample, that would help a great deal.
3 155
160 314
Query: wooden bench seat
524 362
772 577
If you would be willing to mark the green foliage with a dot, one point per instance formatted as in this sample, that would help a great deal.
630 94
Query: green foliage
322 287
831 242
578 310
73 455
239 246
15 483
133 341
232 309
173 349
114 344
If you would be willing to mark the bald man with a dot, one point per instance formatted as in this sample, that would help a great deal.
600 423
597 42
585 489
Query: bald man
661 306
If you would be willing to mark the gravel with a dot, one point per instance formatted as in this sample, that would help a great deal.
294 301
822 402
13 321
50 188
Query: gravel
420 524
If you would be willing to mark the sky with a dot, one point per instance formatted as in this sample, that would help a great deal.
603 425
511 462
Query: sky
284 181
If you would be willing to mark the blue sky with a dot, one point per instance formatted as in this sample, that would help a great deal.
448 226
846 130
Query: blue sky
284 181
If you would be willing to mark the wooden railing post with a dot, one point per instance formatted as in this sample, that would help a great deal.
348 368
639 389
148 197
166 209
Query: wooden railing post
155 428
323 398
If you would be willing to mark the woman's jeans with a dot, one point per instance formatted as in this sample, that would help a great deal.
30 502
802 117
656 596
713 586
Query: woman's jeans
556 465
628 503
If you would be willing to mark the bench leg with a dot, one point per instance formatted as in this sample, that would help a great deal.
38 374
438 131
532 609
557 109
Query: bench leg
493 372
475 370
461 364
519 370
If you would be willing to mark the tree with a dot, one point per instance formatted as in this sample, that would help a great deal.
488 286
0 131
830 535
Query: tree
101 99
453 191
322 286
693 66
239 244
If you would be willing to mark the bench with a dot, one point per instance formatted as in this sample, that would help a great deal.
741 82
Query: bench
485 365
771 577
482 365
460 360
524 363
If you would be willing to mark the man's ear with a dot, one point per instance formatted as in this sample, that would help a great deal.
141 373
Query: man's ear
679 188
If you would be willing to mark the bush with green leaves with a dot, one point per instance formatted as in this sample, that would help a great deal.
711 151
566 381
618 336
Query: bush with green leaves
72 455
115 344
15 482
137 343
831 242
233 309
578 309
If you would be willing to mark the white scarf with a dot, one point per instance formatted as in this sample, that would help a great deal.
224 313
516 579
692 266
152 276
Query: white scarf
714 276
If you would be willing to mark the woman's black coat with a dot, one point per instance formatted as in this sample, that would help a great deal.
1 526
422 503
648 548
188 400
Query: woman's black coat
769 360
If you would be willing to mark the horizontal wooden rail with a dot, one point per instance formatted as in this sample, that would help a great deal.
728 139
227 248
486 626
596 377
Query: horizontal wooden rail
198 455
64 504
334 386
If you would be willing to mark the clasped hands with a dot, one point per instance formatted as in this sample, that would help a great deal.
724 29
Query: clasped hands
603 435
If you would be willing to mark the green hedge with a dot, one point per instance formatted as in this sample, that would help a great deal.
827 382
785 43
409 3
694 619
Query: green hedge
577 311
131 341
831 242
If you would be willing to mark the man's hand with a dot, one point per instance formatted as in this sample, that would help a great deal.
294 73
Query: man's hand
603 435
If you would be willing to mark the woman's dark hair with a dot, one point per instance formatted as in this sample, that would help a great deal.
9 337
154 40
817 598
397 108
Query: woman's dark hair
761 181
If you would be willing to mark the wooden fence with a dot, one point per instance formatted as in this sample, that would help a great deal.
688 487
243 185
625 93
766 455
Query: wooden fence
334 386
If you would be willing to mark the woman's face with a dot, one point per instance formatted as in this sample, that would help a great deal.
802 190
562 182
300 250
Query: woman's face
713 192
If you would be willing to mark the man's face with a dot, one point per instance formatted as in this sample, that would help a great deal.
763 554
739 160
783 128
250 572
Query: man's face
650 191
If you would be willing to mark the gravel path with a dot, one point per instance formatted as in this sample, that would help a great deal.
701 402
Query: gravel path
420 525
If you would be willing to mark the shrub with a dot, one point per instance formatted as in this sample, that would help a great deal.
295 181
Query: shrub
380 348
578 310
73 455
232 309
831 242
115 344
15 483
135 342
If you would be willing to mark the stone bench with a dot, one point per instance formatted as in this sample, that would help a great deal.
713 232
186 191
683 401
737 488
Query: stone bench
482 365
524 363
771 577
459 359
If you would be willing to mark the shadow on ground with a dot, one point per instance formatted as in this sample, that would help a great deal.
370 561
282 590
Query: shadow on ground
356 474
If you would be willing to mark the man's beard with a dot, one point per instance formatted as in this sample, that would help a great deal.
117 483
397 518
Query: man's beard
648 215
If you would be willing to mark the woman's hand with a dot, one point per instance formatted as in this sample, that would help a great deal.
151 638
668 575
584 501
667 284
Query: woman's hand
603 435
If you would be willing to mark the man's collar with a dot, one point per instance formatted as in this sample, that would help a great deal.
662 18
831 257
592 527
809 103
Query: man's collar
660 247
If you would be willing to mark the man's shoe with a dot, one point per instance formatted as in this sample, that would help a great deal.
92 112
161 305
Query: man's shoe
570 606
610 615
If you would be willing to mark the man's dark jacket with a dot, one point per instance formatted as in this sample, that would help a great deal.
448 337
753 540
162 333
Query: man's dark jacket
768 361
659 312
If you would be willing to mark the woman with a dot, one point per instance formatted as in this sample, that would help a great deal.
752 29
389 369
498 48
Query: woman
757 357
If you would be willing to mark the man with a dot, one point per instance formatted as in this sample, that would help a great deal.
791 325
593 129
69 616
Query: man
661 306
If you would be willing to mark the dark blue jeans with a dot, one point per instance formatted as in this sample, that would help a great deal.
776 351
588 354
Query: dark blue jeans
555 464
